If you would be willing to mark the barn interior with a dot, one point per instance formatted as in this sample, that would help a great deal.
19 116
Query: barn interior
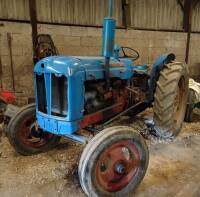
31 30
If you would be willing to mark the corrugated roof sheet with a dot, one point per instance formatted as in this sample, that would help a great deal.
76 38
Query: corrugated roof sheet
145 14
80 12
156 14
14 9
196 18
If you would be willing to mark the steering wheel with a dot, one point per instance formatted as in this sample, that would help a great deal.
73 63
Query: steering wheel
135 55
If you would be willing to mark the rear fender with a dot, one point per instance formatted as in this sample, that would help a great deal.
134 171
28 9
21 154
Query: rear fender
155 73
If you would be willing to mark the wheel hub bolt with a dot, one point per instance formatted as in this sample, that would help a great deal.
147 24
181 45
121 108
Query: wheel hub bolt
120 168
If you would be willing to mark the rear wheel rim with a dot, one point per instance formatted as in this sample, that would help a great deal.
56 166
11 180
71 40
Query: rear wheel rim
26 135
117 165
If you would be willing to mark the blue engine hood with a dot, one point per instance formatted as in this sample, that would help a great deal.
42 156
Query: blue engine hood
92 66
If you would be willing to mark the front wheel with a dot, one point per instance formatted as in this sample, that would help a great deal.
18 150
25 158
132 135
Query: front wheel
113 163
24 137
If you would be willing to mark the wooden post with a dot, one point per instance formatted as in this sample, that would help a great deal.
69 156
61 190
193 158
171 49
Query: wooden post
33 21
187 25
126 16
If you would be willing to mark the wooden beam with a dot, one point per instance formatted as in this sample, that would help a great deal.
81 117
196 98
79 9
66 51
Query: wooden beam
126 16
33 21
181 4
195 2
187 15
189 5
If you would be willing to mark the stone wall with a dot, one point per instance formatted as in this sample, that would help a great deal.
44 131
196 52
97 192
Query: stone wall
22 59
85 41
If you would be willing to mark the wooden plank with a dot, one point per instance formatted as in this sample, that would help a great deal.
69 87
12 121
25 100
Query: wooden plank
33 20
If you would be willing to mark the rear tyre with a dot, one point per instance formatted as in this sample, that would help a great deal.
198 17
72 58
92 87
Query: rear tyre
23 135
170 100
113 163
190 106
3 105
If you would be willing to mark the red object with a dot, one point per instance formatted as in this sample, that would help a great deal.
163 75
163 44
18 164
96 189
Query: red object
117 166
102 115
7 97
106 113
26 137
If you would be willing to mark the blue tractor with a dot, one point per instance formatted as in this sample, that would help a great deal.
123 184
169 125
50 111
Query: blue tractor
76 93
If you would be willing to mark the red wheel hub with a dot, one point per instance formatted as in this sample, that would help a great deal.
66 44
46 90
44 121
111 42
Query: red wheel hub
117 166
29 136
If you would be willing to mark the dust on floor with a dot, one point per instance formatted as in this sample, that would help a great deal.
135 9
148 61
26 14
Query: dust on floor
174 167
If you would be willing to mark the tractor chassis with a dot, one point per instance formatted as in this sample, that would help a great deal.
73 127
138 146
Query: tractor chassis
131 111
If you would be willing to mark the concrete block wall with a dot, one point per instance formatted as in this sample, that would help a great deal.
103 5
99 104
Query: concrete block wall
86 41
21 44
194 59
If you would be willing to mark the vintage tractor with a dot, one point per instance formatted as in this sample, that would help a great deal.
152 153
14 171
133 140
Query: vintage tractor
75 93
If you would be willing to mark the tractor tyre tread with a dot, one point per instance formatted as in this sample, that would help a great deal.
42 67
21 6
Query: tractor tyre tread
92 148
164 98
13 126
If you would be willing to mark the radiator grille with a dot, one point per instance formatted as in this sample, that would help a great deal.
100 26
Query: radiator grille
41 93
59 105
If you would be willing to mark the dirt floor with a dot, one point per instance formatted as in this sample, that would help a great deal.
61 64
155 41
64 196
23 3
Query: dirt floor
174 168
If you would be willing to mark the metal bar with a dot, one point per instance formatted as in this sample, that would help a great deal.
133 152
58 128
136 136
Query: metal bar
9 38
134 110
107 72
33 21
54 23
110 8
158 30
93 26
77 138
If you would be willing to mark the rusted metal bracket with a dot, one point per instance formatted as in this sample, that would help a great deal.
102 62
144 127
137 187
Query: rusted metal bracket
133 110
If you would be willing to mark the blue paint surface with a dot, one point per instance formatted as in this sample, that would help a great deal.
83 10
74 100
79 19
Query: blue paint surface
108 37
77 70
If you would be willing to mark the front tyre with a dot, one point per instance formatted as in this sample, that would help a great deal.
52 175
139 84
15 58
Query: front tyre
170 99
24 137
113 163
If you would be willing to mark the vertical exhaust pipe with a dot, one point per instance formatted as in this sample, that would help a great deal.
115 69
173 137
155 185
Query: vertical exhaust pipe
108 40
